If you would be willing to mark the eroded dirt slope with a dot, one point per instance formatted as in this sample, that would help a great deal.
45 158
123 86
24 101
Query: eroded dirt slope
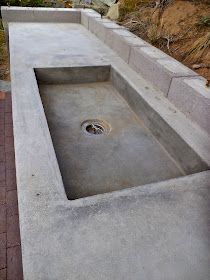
178 27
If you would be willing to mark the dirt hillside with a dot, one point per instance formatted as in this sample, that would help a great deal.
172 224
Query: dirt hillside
178 27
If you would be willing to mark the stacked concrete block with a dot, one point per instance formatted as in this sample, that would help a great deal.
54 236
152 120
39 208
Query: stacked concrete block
102 27
192 97
28 14
86 14
157 67
121 41
184 88
151 63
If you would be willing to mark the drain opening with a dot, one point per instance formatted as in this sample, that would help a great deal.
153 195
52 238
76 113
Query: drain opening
95 127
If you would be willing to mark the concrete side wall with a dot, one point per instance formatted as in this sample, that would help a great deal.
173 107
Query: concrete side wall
28 14
184 88
73 75
192 97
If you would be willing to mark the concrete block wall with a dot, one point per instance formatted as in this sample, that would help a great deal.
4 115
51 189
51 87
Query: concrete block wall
28 14
157 67
182 86
192 97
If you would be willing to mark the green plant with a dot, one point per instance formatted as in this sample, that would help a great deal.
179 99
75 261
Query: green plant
203 21
24 3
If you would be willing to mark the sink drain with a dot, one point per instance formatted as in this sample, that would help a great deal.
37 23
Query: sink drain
95 127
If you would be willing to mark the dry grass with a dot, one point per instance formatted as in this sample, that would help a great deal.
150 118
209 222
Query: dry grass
130 5
198 48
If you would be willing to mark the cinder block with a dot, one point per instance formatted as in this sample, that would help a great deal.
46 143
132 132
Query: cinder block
86 14
101 27
192 97
157 67
28 14
121 41
96 24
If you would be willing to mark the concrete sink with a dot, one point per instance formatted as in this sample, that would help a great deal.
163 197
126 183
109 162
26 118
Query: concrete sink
101 138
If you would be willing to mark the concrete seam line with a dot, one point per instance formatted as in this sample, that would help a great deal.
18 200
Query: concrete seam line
129 54
169 87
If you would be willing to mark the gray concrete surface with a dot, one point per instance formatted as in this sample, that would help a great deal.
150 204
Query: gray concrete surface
155 232
157 67
125 157
195 102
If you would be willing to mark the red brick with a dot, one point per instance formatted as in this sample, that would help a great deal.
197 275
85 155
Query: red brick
3 258
11 179
3 185
9 144
14 264
2 195
2 104
2 173
2 112
3 241
10 160
12 203
8 96
8 118
2 115
8 103
2 153
8 130
1 130
2 95
3 274
2 141
2 218
13 231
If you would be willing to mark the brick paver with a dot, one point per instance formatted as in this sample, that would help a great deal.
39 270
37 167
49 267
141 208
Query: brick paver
10 249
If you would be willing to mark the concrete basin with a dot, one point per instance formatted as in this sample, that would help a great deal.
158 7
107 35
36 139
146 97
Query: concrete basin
101 138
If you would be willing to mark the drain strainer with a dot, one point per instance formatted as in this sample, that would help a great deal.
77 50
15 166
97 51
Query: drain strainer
95 127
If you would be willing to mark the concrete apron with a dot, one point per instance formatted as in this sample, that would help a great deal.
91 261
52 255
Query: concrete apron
61 76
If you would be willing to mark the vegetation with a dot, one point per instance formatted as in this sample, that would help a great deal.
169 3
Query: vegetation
24 3
181 28
204 21
4 62
198 48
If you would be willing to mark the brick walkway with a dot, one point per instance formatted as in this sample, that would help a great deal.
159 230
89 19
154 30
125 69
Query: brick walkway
10 250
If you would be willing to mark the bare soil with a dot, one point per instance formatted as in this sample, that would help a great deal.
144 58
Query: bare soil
181 29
